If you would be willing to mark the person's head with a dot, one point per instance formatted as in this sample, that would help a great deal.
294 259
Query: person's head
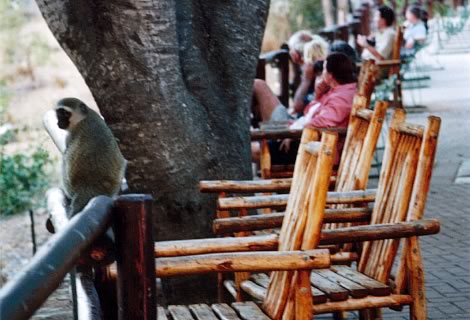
386 17
296 45
316 49
338 69
413 14
343 47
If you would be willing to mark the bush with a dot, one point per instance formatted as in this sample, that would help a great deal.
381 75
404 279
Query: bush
23 177
304 14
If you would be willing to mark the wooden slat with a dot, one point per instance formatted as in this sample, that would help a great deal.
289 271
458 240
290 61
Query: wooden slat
254 290
262 279
224 312
202 312
249 311
262 185
355 289
333 290
280 200
375 288
179 312
364 303
161 315
274 220
231 288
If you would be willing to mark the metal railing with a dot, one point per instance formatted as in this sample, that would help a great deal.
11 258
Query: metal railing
131 219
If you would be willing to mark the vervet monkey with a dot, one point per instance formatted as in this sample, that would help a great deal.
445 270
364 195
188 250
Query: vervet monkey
92 162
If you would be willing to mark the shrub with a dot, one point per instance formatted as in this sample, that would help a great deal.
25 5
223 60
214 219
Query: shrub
23 176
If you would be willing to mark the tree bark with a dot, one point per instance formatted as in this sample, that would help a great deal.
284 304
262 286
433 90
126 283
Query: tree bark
173 81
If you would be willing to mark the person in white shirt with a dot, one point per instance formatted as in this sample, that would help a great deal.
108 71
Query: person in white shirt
380 46
415 32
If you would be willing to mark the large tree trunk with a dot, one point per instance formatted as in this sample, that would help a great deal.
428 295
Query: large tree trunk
173 80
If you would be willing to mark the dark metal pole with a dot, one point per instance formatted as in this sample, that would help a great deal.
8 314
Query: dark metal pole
23 295
135 257
33 233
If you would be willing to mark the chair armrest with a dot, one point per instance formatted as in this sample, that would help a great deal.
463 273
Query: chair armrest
176 248
380 231
280 200
388 63
245 186
274 134
285 133
270 242
261 261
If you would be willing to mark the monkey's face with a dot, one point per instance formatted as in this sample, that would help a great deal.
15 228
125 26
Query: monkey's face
63 118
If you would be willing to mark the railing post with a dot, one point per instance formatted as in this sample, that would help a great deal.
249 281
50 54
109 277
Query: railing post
135 257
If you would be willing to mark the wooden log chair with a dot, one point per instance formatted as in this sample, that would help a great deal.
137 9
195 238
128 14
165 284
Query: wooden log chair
363 132
313 168
401 196
299 294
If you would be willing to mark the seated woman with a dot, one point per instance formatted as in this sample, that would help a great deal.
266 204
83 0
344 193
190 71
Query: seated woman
314 51
331 108
415 31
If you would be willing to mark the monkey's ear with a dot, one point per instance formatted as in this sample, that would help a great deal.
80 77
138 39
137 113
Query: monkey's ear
83 108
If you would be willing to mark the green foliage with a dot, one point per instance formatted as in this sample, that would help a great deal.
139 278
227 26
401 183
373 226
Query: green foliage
23 177
306 14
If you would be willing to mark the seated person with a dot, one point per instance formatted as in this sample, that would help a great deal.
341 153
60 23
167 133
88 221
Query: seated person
380 46
314 51
415 31
296 45
331 108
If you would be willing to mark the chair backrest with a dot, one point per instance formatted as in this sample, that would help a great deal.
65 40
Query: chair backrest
366 80
397 43
302 222
403 186
363 132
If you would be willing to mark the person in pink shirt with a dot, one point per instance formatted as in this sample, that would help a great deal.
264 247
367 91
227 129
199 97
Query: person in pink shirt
334 95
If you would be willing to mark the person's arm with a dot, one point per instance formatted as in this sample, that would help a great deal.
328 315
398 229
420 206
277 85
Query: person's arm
321 87
362 41
332 114
302 90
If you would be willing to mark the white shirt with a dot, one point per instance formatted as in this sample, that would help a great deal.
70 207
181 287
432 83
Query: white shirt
415 31
383 44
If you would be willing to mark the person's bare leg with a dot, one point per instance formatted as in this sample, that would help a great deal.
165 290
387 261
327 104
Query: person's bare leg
265 98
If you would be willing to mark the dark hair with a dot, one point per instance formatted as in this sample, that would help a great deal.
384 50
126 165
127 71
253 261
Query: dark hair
415 10
344 48
420 13
387 14
340 67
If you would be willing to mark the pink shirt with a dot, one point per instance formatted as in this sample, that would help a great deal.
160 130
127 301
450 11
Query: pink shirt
333 111
335 107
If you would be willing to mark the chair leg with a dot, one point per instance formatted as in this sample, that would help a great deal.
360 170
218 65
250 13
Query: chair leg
370 314
416 280
339 315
